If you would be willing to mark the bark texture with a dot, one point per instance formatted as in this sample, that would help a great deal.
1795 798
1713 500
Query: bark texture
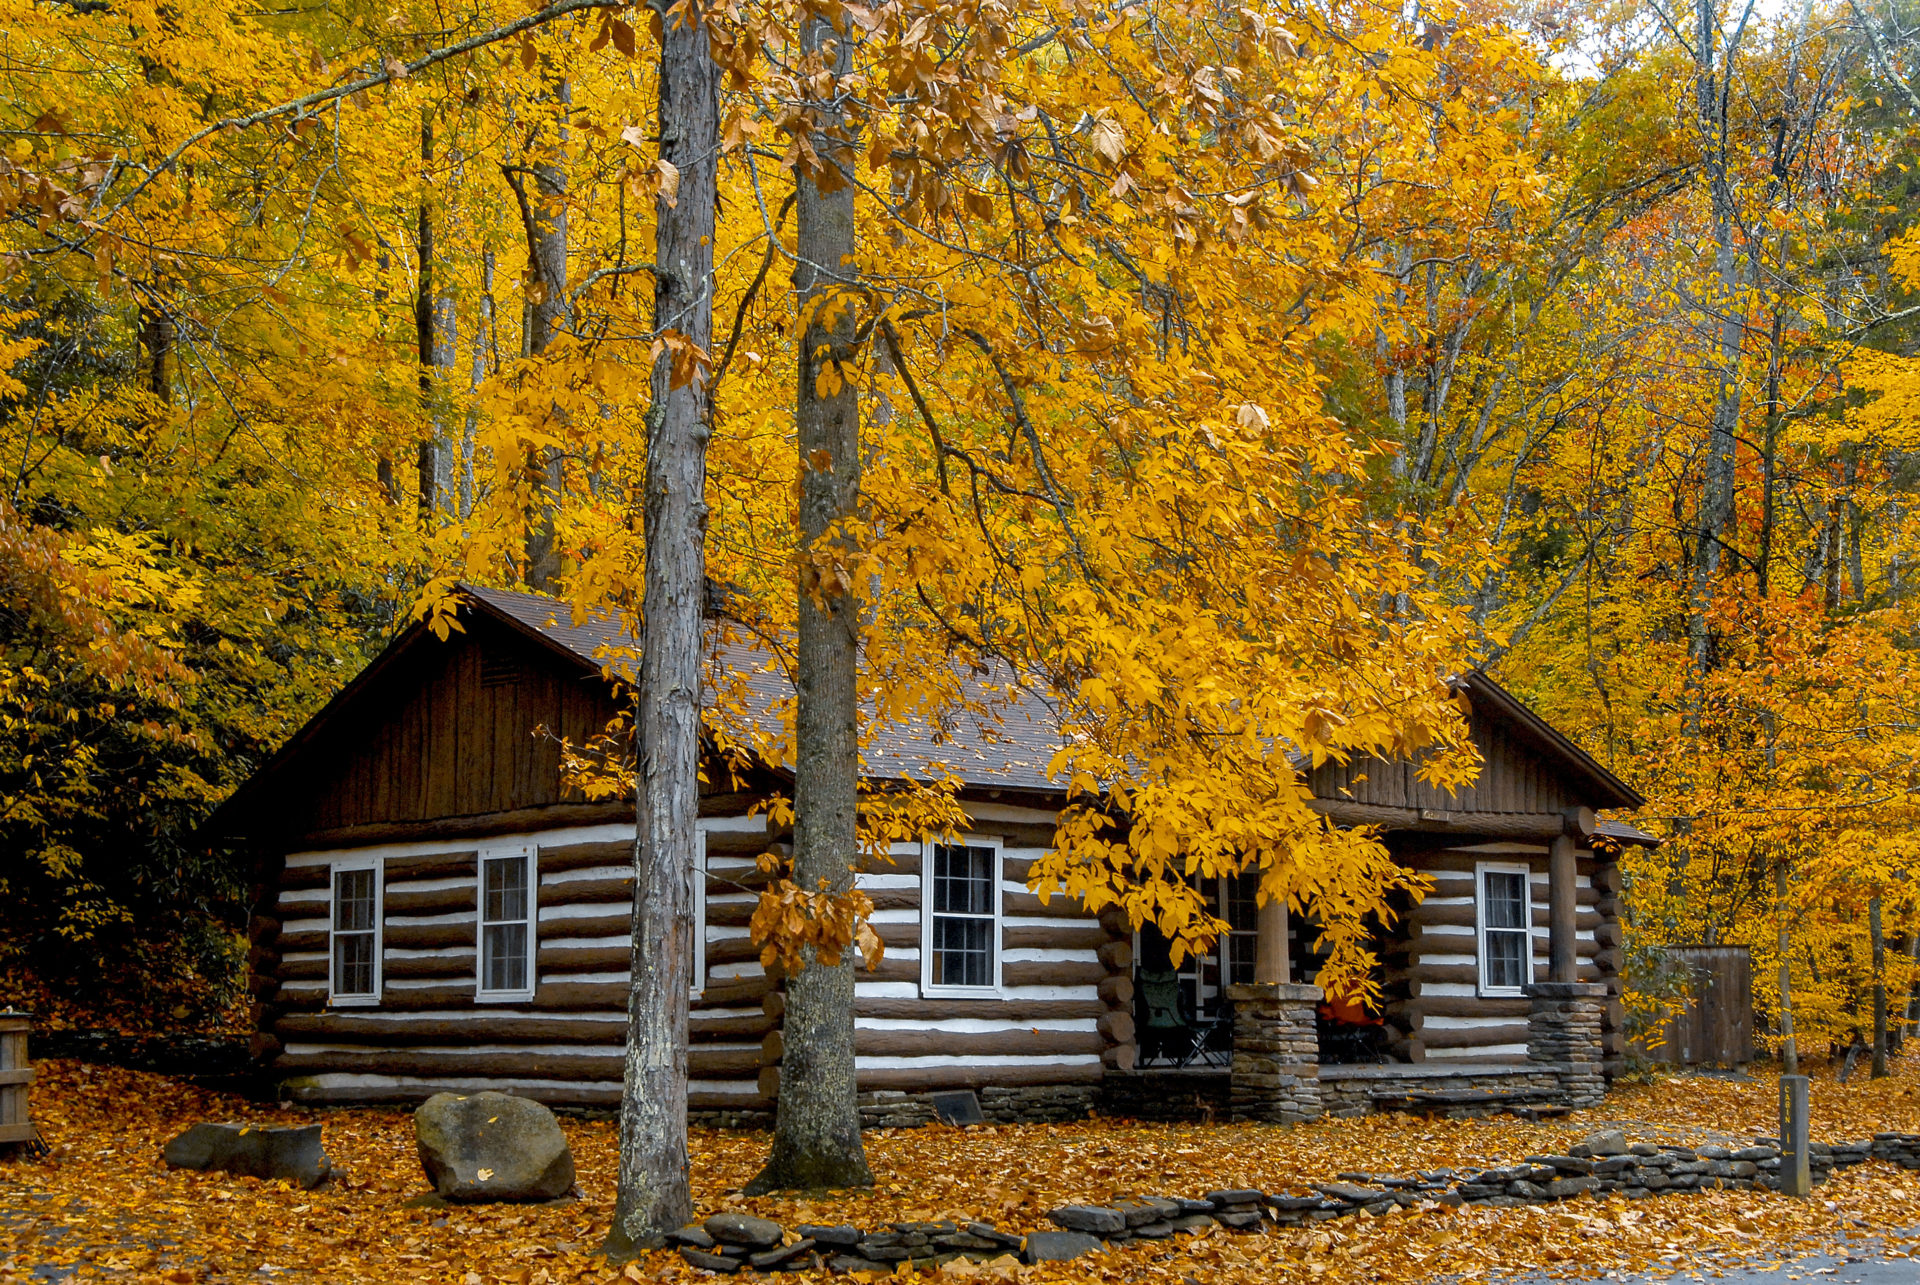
654 1196
1877 935
433 323
816 1139
543 212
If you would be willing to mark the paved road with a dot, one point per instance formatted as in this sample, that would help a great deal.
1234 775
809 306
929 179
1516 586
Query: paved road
1862 1264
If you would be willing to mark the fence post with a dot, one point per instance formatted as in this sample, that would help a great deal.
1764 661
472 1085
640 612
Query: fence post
1796 1176
16 1074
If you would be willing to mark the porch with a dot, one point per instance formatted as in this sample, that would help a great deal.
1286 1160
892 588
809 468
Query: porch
1244 1032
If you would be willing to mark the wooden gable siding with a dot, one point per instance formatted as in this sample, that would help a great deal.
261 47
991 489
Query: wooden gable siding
445 737
1513 778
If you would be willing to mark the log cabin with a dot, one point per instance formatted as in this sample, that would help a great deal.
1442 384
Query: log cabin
432 910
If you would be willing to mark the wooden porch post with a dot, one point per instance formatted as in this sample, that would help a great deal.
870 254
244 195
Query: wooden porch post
1271 964
1562 903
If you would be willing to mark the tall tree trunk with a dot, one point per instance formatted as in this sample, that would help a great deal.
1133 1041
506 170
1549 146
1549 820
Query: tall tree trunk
434 343
1716 494
544 215
156 336
816 1139
484 336
1789 1054
1879 943
654 1197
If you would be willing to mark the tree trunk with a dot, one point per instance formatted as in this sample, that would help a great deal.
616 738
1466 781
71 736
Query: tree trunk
434 343
654 1196
816 1139
1789 1055
544 214
1879 942
1716 495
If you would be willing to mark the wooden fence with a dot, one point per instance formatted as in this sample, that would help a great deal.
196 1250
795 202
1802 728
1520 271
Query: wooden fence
1716 1026
16 1074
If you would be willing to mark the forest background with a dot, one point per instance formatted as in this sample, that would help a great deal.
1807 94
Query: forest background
1202 352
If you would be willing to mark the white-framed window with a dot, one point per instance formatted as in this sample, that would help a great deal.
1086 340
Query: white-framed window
960 906
508 914
353 933
1503 903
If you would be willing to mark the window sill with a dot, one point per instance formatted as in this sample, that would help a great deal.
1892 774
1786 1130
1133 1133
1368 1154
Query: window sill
353 1001
502 997
928 991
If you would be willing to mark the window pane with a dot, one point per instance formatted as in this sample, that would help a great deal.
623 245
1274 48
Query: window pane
1505 903
1243 910
962 880
353 964
353 900
962 952
506 895
1507 958
506 958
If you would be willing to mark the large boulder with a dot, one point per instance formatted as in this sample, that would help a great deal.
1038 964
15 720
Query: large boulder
482 1148
256 1151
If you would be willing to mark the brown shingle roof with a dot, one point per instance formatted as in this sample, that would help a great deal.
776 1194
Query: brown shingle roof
1008 752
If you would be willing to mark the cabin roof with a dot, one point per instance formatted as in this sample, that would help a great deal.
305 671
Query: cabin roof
1009 752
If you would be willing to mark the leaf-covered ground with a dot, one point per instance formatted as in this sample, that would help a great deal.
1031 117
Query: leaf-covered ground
102 1205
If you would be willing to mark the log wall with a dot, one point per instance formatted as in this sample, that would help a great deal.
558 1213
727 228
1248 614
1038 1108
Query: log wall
1062 1011
1432 982
428 1032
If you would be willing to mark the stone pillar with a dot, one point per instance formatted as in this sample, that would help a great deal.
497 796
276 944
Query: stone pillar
1564 1029
1276 1052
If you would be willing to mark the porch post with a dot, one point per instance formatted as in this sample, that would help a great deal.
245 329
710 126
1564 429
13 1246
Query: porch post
1562 911
1271 963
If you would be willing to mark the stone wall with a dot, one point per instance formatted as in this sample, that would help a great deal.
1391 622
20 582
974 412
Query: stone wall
1184 1095
1276 1053
1024 1104
1457 1090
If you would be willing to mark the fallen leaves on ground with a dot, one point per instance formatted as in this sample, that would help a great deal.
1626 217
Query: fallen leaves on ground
103 1202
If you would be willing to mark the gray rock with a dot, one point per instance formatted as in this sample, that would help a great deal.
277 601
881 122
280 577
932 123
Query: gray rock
1566 1187
1154 1231
841 1264
1347 1193
1235 1196
1194 1222
1151 1210
734 1228
780 1255
487 1147
1059 1246
1563 1164
1091 1219
1757 1153
709 1262
840 1237
1607 1142
987 1231
1613 1164
693 1236
1239 1222
292 1154
1644 1149
1713 1153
